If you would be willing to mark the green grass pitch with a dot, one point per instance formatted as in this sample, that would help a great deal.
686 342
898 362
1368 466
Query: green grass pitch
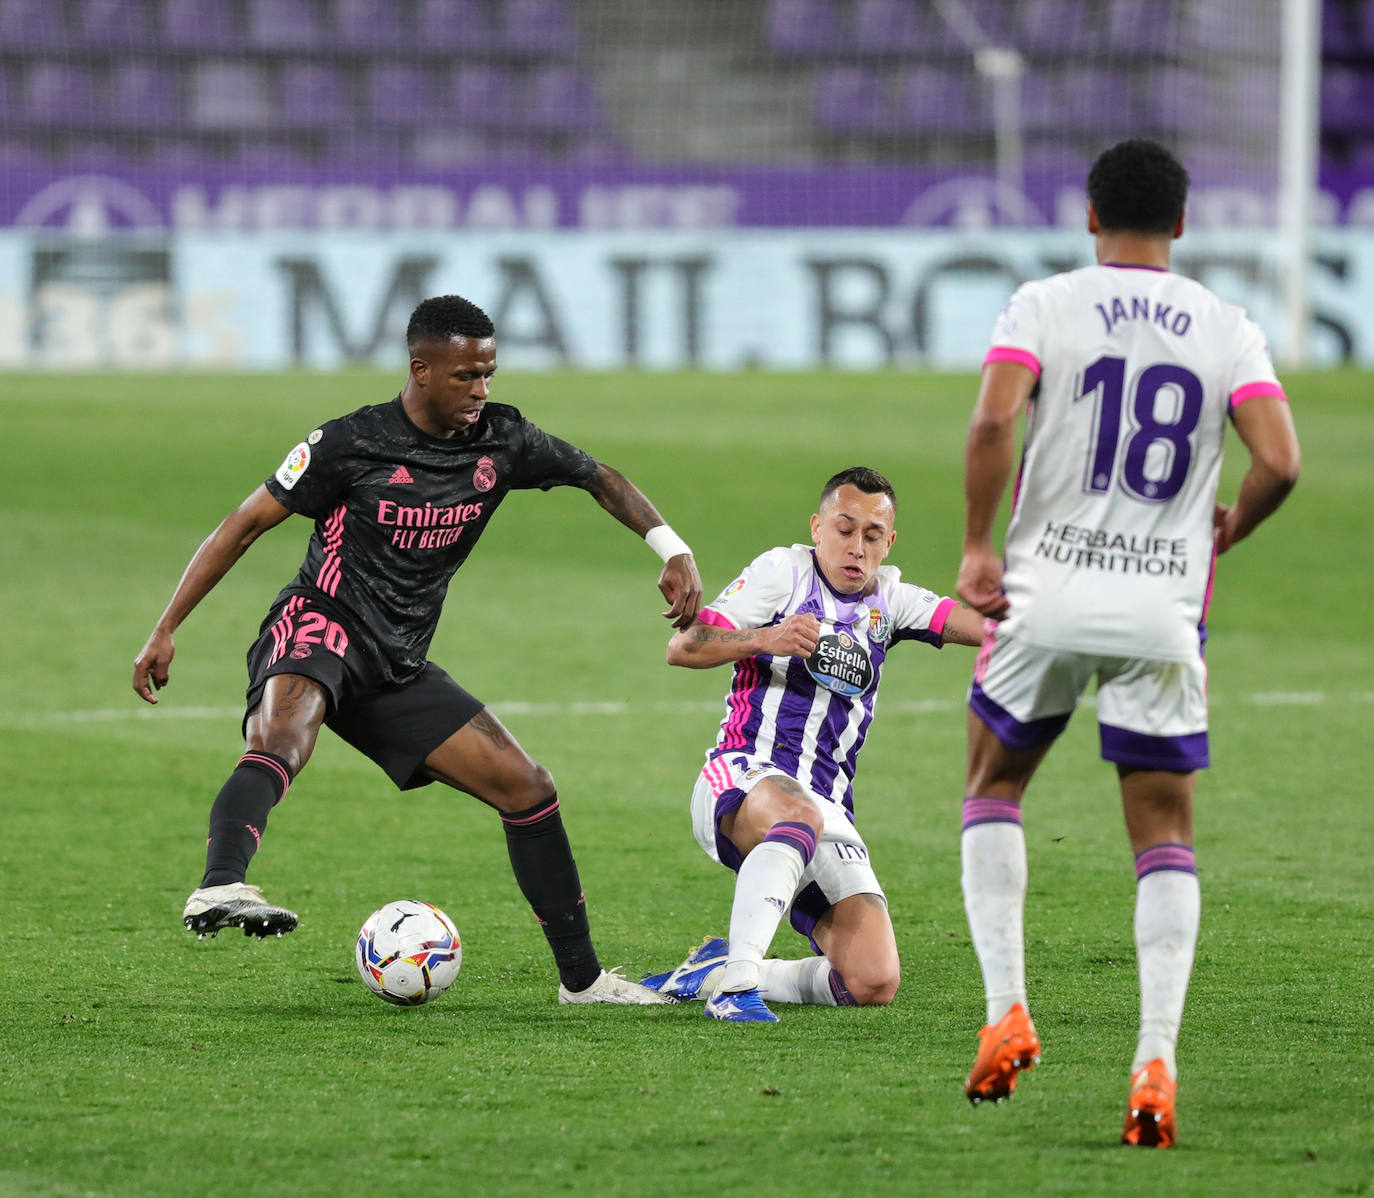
136 1062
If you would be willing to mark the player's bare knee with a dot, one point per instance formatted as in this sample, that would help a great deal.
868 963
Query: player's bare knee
875 989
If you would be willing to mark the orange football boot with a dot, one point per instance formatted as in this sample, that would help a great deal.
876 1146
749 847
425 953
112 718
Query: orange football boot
1005 1048
1150 1109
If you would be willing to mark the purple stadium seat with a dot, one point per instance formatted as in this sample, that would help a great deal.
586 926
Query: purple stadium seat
57 94
114 24
1141 26
367 25
563 99
1094 98
481 97
21 154
1055 26
1181 100
1337 35
452 25
284 24
231 95
448 146
542 28
143 96
93 156
937 99
1361 156
1364 28
885 28
399 94
1253 100
315 96
257 159
31 25
1042 102
198 25
1347 100
1223 29
183 158
804 28
851 100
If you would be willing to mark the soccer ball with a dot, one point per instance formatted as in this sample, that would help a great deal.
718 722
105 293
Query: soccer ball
408 953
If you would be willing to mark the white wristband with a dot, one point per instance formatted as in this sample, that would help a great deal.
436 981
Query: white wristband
665 542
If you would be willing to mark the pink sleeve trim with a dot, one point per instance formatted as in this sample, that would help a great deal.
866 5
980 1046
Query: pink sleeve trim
937 621
1254 391
707 616
1022 357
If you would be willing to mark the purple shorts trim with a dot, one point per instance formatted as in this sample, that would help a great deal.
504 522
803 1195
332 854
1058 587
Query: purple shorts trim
1141 751
728 801
807 908
1011 731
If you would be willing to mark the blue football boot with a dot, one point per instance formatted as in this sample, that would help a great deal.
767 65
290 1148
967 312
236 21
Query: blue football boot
739 1006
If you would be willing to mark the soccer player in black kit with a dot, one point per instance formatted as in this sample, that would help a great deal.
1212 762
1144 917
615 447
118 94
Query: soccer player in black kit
399 493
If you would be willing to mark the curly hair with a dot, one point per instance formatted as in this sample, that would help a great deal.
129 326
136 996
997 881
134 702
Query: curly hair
443 317
1138 186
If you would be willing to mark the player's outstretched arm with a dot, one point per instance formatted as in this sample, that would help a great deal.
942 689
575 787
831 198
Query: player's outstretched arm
1265 425
705 645
963 626
679 582
989 456
211 562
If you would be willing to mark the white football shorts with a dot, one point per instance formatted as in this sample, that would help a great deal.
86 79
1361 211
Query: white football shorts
841 866
1150 714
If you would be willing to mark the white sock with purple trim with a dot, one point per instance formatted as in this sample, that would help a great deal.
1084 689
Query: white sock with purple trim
804 981
993 852
767 881
1168 910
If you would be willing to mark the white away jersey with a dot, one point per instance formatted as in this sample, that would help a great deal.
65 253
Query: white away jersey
809 717
1109 549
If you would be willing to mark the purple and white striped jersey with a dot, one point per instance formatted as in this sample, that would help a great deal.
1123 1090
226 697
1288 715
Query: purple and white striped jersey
809 717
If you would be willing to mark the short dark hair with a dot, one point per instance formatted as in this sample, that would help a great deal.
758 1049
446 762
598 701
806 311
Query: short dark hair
442 317
870 482
1138 186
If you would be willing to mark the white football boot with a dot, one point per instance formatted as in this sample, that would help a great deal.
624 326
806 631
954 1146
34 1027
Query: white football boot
610 987
235 905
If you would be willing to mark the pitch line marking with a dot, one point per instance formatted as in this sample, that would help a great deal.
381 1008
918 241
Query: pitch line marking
520 707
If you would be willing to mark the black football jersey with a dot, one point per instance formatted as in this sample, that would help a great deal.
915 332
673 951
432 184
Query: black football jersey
397 511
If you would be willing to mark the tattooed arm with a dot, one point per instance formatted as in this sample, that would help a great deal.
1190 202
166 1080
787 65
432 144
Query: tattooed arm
679 582
963 626
704 645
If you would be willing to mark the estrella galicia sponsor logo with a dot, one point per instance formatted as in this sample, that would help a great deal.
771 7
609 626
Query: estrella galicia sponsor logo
290 471
841 664
484 477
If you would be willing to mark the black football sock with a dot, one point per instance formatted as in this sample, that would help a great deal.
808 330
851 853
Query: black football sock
547 875
239 816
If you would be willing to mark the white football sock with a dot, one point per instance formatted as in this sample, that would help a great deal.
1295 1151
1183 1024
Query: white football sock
803 981
1168 909
994 882
763 891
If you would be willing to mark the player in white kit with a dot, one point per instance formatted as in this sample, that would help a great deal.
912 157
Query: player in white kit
808 631
1129 374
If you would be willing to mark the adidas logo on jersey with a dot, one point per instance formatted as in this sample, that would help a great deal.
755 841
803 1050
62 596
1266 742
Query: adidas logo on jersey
402 475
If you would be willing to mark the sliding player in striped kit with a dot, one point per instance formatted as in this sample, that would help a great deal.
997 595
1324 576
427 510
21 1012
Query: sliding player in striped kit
1129 374
808 631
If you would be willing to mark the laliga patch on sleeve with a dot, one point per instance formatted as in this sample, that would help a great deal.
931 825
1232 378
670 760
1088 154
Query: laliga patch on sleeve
733 589
290 471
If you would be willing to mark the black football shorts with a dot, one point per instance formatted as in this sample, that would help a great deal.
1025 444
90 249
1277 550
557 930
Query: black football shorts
396 725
